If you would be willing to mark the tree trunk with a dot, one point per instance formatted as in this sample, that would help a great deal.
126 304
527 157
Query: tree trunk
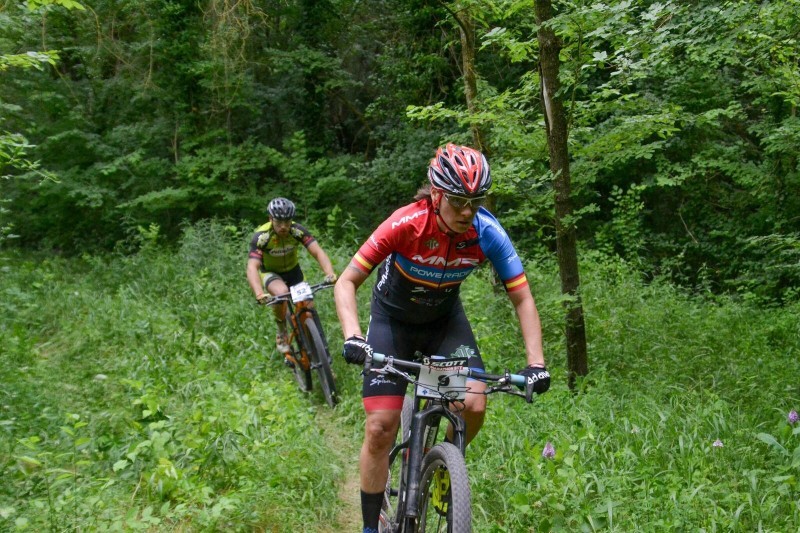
467 30
566 240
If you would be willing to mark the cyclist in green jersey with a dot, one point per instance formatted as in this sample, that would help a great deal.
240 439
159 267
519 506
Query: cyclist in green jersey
273 265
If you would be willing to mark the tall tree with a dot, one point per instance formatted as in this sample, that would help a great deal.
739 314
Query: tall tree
566 239
466 26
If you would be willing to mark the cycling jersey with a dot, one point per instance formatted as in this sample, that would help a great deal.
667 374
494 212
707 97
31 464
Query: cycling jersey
277 254
424 267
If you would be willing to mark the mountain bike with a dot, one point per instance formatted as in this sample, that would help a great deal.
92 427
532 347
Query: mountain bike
428 487
307 342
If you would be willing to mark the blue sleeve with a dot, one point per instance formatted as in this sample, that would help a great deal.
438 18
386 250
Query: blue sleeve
496 245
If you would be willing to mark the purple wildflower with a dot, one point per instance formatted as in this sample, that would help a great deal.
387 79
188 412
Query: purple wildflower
793 417
717 444
549 451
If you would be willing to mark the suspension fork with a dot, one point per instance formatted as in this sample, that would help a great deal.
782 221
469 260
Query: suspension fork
297 319
417 451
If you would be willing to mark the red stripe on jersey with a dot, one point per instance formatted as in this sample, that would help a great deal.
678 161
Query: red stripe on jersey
516 283
362 264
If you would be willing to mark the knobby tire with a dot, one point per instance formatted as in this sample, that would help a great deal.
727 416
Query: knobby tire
319 359
458 518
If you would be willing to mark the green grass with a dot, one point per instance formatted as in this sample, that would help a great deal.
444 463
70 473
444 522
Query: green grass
141 392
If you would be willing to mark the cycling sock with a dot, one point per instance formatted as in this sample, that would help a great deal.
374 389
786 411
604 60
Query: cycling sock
371 510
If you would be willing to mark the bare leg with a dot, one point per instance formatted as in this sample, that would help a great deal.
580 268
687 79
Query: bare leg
379 436
278 286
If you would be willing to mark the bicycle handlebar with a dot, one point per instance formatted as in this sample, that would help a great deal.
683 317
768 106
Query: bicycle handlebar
503 381
285 297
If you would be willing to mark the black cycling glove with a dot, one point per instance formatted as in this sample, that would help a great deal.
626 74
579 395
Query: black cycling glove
538 376
356 349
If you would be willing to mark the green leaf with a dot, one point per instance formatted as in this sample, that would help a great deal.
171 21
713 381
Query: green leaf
772 442
28 460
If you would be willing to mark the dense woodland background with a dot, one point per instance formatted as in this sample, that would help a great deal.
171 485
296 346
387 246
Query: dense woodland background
123 117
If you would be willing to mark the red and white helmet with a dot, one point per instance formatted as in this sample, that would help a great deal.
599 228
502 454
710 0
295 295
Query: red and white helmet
460 170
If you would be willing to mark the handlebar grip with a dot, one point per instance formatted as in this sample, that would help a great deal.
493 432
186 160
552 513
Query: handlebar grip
517 379
375 358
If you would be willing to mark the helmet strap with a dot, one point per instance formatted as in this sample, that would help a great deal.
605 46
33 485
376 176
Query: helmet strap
450 231
436 203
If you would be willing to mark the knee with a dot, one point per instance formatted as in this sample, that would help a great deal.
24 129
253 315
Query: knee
476 406
379 436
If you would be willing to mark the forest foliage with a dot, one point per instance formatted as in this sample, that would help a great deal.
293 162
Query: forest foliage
683 122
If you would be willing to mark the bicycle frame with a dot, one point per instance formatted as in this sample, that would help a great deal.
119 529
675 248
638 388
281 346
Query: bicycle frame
296 310
294 315
307 334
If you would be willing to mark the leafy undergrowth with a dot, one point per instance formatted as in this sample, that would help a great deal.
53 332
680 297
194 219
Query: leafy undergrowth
141 393
682 424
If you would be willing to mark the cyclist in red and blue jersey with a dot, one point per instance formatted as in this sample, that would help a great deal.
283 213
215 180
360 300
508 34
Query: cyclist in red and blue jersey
273 265
426 250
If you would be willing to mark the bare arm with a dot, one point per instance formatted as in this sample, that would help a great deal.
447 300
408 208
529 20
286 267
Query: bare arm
253 277
529 324
344 293
322 258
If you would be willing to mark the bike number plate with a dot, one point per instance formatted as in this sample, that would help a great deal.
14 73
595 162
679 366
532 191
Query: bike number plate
301 292
440 375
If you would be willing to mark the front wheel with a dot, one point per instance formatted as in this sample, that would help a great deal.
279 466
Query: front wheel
444 499
321 361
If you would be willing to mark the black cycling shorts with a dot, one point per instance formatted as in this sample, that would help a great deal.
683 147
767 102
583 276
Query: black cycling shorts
450 336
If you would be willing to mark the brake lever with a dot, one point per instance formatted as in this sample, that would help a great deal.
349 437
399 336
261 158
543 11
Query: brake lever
528 388
505 387
529 392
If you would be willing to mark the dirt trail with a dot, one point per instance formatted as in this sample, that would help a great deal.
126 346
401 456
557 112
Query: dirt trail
346 451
